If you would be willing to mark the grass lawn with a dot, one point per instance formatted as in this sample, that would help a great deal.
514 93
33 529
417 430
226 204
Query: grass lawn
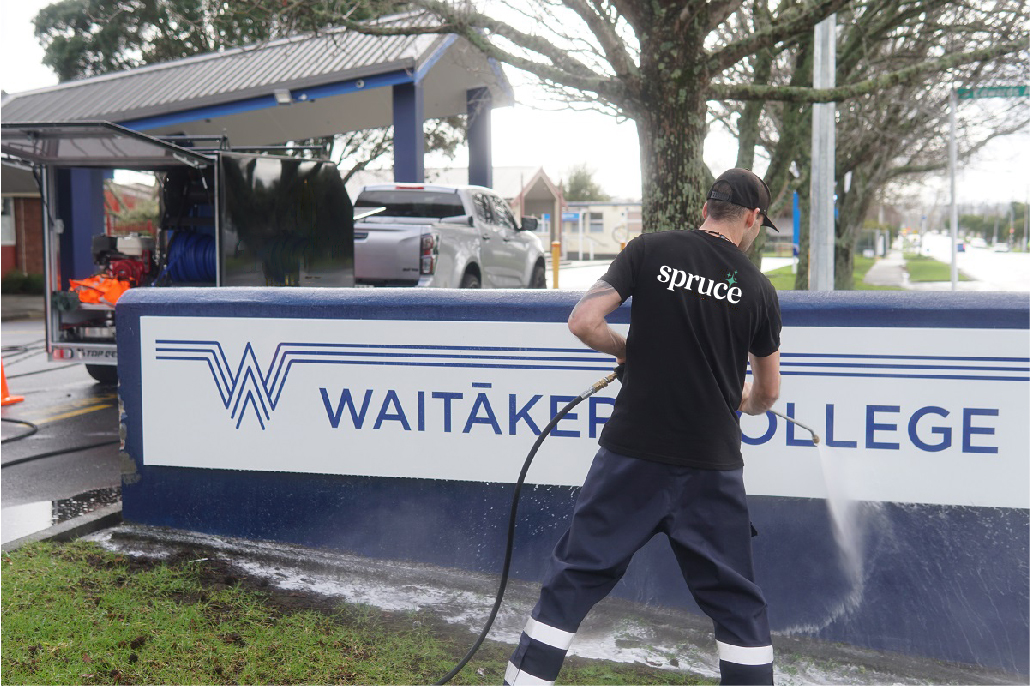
75 614
923 268
783 279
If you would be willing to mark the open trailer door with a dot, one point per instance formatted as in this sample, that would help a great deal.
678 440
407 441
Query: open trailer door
93 144
81 328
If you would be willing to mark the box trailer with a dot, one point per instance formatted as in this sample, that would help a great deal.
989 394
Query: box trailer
226 218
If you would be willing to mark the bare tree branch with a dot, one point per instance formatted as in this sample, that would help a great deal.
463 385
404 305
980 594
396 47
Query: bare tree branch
791 23
613 46
828 95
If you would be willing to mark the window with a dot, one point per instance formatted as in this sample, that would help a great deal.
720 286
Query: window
10 238
596 222
484 208
503 214
544 227
412 203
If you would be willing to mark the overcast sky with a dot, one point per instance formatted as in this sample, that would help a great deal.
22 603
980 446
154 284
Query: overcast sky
534 134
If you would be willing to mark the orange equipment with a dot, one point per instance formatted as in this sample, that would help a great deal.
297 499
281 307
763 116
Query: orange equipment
8 399
99 289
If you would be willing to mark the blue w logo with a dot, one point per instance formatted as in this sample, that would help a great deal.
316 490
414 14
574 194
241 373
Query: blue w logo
251 386
248 387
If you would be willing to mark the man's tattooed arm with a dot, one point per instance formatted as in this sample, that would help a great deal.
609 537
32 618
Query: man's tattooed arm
588 324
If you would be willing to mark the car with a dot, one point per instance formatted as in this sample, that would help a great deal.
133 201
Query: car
1001 248
433 235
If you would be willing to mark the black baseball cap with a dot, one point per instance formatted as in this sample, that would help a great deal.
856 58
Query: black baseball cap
744 188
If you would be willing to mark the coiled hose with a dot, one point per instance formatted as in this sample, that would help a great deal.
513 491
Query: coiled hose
191 258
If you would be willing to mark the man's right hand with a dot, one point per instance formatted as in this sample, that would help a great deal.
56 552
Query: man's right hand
760 395
745 395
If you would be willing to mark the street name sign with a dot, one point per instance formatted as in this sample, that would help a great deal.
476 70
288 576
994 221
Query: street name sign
992 92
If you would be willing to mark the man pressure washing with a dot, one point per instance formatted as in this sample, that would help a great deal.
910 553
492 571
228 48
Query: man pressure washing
669 458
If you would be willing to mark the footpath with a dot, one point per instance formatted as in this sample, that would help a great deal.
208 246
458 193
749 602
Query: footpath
21 307
888 271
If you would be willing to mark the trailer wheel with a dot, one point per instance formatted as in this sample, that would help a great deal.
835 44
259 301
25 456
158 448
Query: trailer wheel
105 375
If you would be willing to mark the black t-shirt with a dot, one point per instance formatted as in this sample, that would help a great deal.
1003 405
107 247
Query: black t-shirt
699 306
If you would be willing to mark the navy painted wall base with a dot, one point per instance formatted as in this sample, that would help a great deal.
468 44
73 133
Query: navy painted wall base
940 562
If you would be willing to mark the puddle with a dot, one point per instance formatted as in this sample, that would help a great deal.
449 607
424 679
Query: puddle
20 521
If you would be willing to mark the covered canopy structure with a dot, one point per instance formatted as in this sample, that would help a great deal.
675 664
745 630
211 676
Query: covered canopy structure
331 82
295 88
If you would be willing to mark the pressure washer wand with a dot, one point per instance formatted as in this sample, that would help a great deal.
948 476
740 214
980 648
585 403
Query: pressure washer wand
593 389
815 437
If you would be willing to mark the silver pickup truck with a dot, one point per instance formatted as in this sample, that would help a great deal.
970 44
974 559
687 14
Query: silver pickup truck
444 236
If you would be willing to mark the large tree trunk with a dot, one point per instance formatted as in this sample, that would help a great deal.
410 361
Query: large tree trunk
844 263
854 204
671 127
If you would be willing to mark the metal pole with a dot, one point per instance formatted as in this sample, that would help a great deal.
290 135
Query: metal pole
581 214
51 245
822 233
555 263
952 164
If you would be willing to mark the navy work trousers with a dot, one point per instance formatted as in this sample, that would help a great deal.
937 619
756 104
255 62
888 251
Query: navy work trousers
623 503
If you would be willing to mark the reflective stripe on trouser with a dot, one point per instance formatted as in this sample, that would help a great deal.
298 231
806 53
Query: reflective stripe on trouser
623 503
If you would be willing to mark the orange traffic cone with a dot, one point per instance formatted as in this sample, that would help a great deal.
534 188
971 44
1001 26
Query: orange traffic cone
8 400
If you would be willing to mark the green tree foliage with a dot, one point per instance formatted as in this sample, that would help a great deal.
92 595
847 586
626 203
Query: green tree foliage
1003 219
581 185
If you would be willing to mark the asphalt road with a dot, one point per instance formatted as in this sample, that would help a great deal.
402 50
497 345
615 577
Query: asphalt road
70 410
992 270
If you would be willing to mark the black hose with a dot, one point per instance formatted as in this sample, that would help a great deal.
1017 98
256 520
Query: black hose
32 429
511 522
21 348
24 353
39 372
61 452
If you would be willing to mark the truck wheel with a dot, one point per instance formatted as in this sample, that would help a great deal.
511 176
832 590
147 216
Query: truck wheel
539 279
106 375
469 281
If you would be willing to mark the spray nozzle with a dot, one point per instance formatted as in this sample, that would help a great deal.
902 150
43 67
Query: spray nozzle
815 437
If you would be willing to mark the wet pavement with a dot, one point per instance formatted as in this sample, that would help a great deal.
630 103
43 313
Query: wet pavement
615 630
28 518
64 410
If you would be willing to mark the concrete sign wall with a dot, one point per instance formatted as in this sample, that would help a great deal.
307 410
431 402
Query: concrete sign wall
390 422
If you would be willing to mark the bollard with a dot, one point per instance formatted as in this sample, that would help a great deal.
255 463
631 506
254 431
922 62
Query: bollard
555 262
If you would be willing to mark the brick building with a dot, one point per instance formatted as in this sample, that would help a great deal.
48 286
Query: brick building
22 221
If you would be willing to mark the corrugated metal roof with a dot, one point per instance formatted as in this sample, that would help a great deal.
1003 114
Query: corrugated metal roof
215 78
508 180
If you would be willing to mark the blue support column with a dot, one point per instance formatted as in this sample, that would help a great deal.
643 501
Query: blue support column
80 204
478 103
409 141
